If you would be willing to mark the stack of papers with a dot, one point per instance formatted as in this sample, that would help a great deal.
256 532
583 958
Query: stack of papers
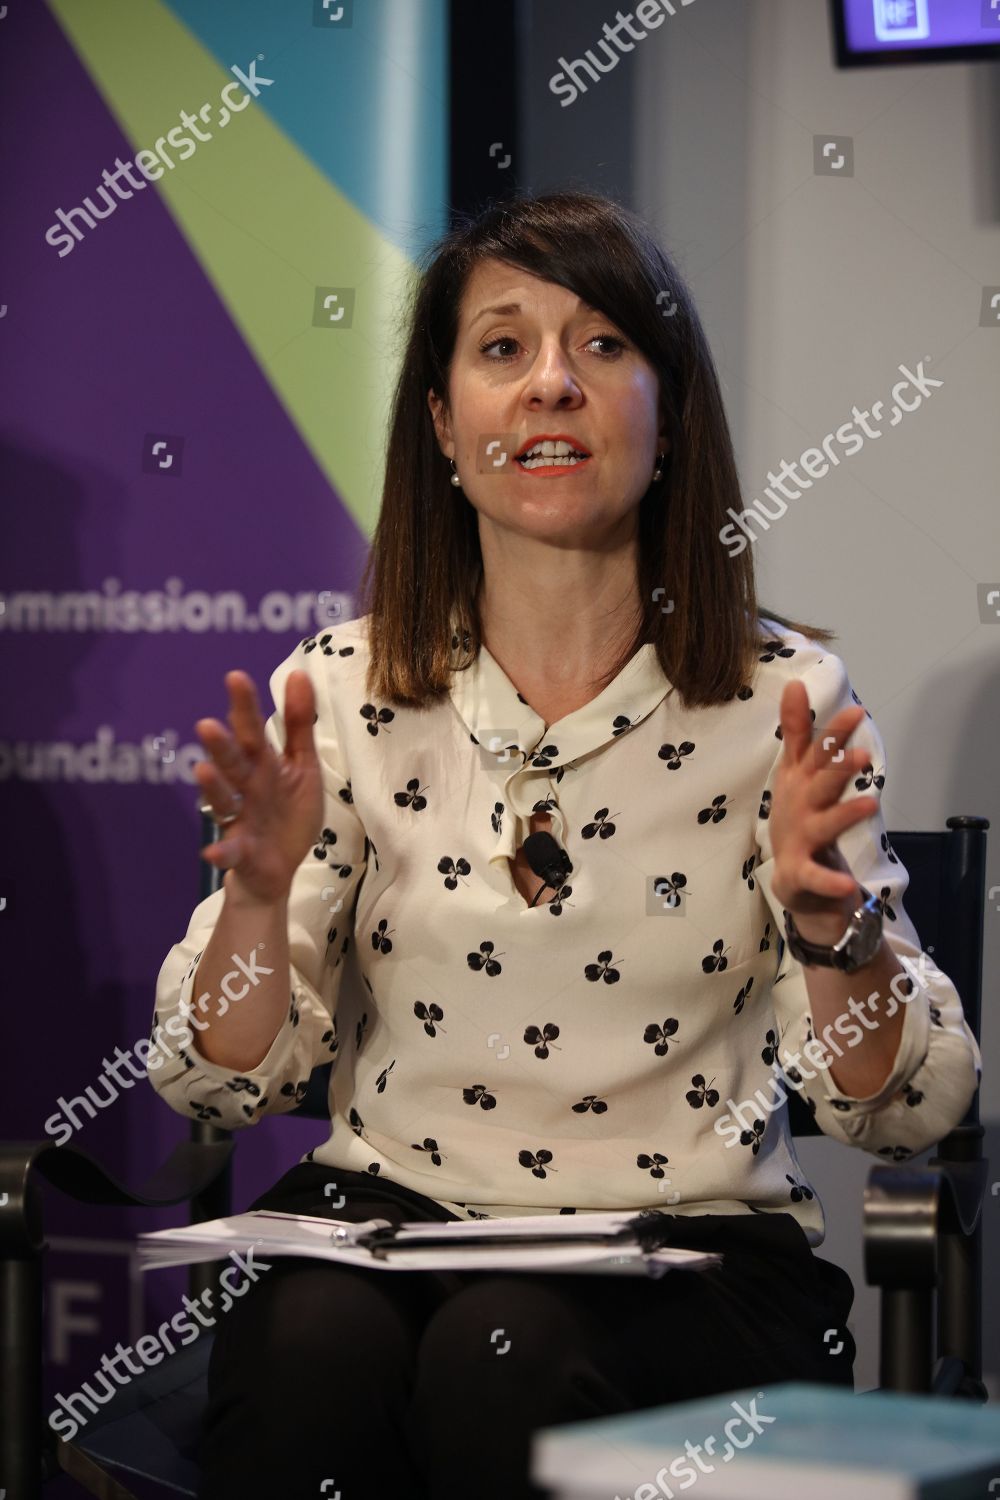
614 1243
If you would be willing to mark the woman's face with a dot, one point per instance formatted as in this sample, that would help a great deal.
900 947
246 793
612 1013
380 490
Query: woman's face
553 367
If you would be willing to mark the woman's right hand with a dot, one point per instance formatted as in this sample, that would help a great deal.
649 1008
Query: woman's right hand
278 798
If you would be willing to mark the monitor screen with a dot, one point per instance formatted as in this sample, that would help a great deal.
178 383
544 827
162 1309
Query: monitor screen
892 31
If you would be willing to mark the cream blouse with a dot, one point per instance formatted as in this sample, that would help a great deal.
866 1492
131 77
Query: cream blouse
619 1046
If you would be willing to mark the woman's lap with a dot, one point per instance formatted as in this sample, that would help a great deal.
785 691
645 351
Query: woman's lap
511 1352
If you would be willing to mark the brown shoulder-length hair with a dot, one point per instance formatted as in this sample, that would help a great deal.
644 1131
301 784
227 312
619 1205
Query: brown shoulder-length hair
425 564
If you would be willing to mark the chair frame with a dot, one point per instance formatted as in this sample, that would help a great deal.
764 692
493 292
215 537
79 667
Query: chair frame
922 1223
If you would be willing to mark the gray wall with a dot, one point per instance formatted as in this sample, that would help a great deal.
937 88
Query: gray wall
814 289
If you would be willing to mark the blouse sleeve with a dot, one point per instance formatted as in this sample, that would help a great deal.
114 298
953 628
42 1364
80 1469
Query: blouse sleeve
938 1064
320 924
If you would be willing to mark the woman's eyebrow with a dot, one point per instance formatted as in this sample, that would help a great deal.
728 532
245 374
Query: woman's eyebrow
512 309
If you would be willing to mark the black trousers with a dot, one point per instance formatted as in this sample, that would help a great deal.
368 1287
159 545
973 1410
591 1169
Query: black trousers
430 1385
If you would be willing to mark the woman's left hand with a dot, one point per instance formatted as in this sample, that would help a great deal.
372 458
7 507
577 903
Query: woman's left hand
811 877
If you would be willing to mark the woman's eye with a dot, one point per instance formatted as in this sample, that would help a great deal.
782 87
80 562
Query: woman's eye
604 338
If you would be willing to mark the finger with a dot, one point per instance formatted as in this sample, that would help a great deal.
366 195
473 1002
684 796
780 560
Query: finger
300 714
820 880
796 722
216 791
825 787
244 712
825 828
224 853
829 747
224 750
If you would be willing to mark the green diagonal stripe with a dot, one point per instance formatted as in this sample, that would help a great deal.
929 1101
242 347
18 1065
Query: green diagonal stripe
267 227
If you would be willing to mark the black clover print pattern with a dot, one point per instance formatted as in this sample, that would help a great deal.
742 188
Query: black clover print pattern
540 1040
661 1034
603 968
716 812
603 803
799 1190
383 1078
702 1093
430 1145
544 756
298 1089
412 797
741 997
327 839
331 938
479 1094
653 1162
753 1138
330 1039
376 718
887 911
452 870
484 960
716 961
246 1085
600 825
538 1161
772 649
868 777
310 643
671 887
381 942
430 1015
560 895
673 754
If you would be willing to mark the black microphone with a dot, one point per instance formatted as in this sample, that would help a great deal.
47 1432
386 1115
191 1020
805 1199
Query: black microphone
548 861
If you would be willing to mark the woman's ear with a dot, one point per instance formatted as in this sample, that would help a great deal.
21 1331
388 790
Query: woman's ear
442 426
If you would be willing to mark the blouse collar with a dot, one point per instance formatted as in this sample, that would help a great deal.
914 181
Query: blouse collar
533 758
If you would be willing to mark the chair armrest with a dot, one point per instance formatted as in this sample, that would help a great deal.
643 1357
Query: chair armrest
191 1167
906 1209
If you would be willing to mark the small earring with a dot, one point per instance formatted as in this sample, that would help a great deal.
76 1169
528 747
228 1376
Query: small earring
454 475
658 471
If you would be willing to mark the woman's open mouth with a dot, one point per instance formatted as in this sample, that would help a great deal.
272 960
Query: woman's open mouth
552 457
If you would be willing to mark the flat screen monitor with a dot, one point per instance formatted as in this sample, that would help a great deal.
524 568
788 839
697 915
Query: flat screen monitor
878 32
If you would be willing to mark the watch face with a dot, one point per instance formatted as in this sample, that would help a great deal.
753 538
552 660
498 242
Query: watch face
863 944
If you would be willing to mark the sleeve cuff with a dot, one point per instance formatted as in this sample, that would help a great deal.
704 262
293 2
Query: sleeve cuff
911 1050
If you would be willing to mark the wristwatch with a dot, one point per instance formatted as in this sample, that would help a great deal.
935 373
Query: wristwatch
857 947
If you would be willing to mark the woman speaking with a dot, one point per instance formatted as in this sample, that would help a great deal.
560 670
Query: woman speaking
556 642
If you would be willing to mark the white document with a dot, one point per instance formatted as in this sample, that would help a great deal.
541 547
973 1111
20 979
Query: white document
533 1242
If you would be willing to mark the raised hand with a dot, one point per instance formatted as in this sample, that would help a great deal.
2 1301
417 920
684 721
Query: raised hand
278 798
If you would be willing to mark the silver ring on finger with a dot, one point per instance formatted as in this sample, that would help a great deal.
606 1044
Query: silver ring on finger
221 819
